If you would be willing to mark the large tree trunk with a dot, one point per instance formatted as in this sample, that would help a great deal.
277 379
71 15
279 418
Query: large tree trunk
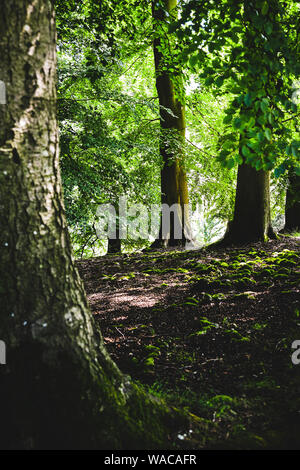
252 214
174 189
252 218
292 208
59 388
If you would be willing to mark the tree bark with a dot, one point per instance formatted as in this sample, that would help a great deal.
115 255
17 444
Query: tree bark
252 217
174 189
59 388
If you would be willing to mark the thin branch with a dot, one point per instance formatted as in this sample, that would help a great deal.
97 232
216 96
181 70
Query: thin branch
132 64
289 119
207 123
198 148
105 98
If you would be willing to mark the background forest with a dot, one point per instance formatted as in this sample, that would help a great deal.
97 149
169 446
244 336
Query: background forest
109 109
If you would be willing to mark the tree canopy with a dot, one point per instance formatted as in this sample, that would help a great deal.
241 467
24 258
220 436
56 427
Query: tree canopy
240 63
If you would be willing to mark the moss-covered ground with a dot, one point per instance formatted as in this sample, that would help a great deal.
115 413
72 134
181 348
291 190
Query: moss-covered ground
210 331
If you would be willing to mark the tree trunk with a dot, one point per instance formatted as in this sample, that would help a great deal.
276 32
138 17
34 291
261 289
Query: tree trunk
252 218
114 244
292 208
174 189
59 388
252 214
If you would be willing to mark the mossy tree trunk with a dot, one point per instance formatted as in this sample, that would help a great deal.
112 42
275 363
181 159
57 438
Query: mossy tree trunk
252 216
59 388
174 188
292 208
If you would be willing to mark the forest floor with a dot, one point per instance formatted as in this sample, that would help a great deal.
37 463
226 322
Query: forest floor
210 331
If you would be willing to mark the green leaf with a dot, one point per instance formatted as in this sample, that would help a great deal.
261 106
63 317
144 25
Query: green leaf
288 150
269 28
230 111
251 122
149 362
193 60
268 134
268 166
262 120
245 151
270 118
265 8
223 155
247 99
260 136
227 119
239 160
209 81
230 163
237 123
219 81
264 106
258 165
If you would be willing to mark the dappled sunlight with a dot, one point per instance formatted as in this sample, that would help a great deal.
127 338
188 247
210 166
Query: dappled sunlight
110 301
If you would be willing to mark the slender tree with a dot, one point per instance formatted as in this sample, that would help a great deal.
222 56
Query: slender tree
174 189
114 245
59 388
292 209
